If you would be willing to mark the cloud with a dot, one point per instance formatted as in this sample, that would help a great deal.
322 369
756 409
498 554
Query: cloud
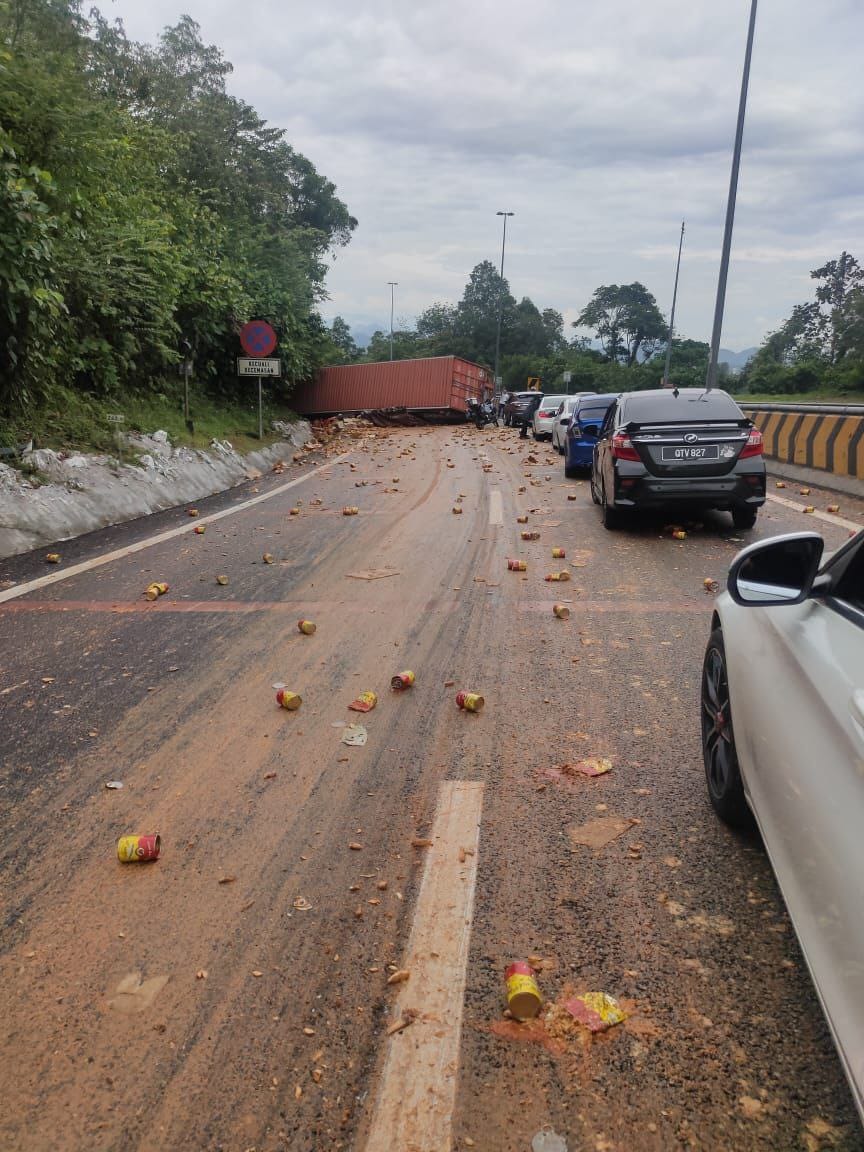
601 126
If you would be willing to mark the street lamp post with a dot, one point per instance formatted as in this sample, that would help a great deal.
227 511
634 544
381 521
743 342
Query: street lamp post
711 378
672 313
500 302
393 284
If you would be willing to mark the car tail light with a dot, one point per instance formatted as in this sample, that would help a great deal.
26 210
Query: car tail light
545 415
622 448
753 447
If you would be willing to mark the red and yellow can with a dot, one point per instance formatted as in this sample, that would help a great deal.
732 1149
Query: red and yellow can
523 994
561 611
470 701
521 519
530 535
517 566
365 702
135 849
52 558
200 529
307 627
193 512
289 700
402 681
154 591
558 554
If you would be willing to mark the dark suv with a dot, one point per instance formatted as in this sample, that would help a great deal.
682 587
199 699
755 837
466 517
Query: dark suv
678 449
520 407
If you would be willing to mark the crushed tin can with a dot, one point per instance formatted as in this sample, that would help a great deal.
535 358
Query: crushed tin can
558 554
679 534
52 558
200 529
530 535
517 566
555 577
350 510
596 1010
138 849
154 591
470 701
401 681
832 508
288 700
523 994
365 702
521 519
307 627
193 512
561 611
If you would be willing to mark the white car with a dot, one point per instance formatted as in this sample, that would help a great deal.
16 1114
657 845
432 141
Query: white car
783 738
562 419
541 421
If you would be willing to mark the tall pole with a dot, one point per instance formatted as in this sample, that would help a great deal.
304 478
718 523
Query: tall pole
711 378
394 284
500 302
672 315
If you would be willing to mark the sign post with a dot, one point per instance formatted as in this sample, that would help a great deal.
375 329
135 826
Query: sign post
117 419
258 340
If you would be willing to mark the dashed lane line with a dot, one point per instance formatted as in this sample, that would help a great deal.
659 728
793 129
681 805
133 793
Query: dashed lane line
417 1092
160 538
828 517
496 509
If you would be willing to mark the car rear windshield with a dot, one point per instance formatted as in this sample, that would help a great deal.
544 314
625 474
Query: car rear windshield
593 413
551 401
667 408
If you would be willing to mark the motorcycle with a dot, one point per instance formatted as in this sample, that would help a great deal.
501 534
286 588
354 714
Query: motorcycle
482 412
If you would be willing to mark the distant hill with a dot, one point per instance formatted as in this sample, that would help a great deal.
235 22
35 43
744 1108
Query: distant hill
736 360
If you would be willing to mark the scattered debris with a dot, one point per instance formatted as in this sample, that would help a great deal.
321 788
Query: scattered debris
114 785
267 558
137 849
780 484
401 681
532 535
457 510
226 880
409 1015
306 627
350 510
523 994
592 767
547 1140
599 832
399 977
555 577
302 904
596 1010
561 611
517 566
200 529
833 509
470 701
223 580
521 519
133 994
52 558
154 591
355 736
679 534
809 508
420 842
201 974
372 574
571 496
558 554
288 700
710 584
365 702
803 491
193 512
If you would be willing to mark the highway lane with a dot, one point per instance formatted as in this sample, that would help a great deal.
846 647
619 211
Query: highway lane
677 916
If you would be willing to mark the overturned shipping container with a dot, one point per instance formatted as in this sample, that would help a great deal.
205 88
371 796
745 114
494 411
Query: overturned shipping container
439 384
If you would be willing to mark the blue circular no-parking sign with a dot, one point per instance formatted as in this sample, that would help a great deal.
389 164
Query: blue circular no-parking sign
258 338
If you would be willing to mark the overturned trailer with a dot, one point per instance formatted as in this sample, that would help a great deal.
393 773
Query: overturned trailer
437 387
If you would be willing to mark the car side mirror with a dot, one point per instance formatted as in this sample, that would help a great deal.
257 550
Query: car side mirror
777 571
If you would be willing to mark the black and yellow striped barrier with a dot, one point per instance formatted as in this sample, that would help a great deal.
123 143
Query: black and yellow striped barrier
830 437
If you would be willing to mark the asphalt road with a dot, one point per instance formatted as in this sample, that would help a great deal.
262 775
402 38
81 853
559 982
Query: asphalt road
289 888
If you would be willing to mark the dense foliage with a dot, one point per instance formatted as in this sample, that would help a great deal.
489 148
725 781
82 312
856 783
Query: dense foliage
141 205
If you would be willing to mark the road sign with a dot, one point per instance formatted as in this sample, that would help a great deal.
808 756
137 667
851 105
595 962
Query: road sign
115 418
258 367
258 339
534 383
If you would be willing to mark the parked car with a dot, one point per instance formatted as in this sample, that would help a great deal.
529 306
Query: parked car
562 419
515 405
544 414
682 449
783 738
583 430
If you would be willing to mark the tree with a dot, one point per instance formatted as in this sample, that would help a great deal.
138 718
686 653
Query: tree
627 321
837 278
477 313
340 334
436 330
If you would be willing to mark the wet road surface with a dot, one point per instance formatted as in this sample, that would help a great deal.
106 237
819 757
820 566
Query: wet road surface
234 994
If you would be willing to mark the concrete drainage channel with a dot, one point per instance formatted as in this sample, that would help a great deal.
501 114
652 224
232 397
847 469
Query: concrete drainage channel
55 496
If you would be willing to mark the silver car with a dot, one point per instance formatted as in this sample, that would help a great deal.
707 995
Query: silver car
783 738
541 422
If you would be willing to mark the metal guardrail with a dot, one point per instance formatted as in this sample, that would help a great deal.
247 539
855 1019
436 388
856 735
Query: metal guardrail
816 409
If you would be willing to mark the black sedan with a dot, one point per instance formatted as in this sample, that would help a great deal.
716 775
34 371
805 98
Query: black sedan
678 449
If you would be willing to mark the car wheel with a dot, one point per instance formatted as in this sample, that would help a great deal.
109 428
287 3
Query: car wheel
534 434
569 472
594 497
722 774
611 516
744 517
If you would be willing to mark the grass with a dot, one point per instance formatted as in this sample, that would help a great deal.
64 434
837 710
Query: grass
73 421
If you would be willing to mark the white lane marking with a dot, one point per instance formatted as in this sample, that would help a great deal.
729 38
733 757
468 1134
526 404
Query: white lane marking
130 549
496 509
417 1093
828 517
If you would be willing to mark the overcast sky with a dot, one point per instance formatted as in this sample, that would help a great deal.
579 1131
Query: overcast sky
601 125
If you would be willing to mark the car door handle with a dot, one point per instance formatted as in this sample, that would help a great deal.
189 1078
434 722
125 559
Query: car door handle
856 706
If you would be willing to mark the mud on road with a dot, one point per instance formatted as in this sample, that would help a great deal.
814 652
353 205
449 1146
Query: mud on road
234 995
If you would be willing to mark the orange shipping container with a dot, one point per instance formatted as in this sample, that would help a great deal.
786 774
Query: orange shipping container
437 383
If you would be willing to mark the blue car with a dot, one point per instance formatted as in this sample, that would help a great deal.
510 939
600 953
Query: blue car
582 432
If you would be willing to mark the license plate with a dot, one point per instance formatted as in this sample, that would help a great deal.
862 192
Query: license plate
687 455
